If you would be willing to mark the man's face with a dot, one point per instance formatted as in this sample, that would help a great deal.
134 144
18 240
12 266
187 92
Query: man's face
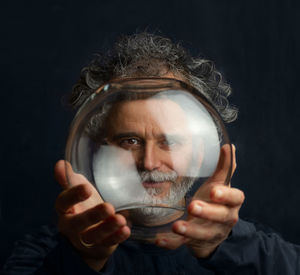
155 132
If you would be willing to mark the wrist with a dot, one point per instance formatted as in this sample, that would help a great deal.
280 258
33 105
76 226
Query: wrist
95 264
203 253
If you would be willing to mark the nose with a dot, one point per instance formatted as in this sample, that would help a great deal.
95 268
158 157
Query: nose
151 158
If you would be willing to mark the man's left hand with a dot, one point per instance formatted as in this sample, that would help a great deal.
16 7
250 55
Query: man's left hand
212 213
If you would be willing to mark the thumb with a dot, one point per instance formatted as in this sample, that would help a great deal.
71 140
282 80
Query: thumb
60 173
226 165
222 174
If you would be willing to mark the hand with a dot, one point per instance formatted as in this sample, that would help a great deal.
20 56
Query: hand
212 213
92 226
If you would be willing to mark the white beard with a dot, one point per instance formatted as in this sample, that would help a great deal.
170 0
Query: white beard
176 193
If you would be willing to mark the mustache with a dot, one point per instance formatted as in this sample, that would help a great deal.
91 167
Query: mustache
157 176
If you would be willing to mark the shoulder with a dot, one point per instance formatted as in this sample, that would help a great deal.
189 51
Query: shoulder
29 253
253 248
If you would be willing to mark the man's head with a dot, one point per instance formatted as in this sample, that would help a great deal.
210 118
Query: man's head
154 137
150 136
156 133
162 165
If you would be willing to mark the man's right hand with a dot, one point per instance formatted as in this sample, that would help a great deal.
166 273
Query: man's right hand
92 226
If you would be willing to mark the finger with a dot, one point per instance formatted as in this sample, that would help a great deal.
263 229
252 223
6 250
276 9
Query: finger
60 173
65 175
119 236
100 232
226 195
91 216
193 231
72 196
213 212
224 165
170 241
234 164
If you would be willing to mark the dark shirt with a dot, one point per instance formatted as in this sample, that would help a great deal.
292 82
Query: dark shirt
248 250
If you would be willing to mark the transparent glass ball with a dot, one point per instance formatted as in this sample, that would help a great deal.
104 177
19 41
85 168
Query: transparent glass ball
147 145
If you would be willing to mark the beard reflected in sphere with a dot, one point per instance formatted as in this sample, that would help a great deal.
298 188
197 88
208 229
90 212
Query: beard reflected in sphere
162 189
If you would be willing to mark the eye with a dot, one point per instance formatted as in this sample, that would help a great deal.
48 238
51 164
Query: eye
130 143
169 144
172 142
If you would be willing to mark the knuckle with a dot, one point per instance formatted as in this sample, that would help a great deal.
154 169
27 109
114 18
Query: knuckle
207 235
218 237
242 196
119 219
213 238
226 218
106 209
233 220
193 204
213 192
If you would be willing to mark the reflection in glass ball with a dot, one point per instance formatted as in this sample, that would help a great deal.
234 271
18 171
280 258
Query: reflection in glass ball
146 145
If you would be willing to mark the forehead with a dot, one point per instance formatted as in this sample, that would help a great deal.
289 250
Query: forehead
160 113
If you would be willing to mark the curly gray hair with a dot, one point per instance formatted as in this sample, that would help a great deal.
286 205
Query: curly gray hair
150 55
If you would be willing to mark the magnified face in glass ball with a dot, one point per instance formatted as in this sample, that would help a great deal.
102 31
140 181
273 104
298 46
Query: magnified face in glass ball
146 145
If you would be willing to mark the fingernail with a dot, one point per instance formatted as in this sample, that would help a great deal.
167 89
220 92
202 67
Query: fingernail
162 243
218 194
197 209
181 229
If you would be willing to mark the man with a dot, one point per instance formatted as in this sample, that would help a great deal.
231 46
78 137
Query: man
93 237
130 117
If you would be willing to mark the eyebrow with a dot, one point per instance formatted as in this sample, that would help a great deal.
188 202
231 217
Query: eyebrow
176 137
161 136
124 135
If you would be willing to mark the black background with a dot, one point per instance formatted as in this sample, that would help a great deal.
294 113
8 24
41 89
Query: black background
44 44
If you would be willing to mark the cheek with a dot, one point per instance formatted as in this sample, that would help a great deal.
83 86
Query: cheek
137 156
180 161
